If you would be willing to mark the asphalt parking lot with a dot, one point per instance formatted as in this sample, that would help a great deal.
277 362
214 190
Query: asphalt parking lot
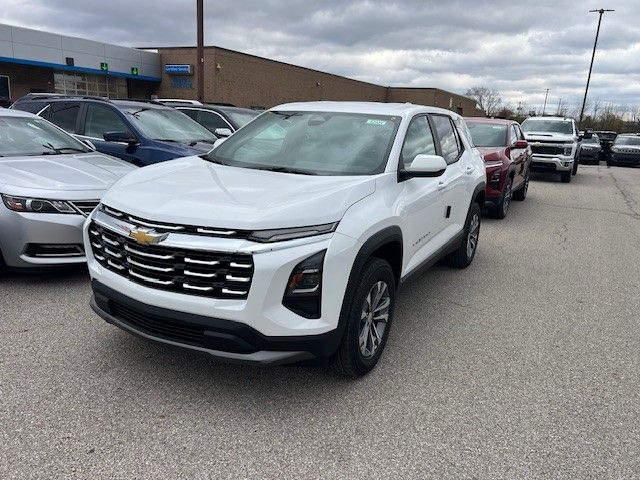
525 365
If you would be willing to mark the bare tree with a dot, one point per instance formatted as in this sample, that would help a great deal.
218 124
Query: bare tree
488 100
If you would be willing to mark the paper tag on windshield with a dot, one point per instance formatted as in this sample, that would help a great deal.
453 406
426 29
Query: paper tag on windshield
373 121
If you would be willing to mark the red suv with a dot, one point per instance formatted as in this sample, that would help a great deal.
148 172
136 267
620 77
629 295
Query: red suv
507 157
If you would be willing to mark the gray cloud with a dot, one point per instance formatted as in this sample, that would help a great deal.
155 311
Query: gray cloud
518 49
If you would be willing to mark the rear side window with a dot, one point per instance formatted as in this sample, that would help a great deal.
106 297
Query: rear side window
31 107
211 121
64 115
190 113
418 140
102 119
449 142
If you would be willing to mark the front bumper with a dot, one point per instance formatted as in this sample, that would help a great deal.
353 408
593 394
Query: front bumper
18 230
626 158
233 341
551 163
592 155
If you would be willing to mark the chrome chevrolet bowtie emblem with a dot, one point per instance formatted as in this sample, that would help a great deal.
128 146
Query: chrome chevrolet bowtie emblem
146 236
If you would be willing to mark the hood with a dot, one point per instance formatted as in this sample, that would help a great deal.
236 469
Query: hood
549 137
629 148
192 191
72 172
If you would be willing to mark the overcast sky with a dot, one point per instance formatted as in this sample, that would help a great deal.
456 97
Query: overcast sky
518 50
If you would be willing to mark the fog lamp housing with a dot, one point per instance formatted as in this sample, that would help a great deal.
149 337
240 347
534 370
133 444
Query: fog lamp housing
303 294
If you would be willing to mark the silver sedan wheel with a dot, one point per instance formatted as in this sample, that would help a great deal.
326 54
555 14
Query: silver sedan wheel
374 318
474 233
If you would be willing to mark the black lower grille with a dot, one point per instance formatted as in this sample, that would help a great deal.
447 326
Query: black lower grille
192 272
547 150
163 328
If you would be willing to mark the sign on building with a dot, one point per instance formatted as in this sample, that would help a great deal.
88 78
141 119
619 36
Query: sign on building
178 69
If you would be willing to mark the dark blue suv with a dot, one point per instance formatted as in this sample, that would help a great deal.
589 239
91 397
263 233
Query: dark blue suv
140 132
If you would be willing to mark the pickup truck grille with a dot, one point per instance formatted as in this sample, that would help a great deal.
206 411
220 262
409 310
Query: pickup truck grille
192 272
547 150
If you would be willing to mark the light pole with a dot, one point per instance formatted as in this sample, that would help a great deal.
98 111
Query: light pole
200 50
595 44
545 102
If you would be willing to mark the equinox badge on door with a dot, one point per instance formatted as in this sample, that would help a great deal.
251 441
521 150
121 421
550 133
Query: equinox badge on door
147 236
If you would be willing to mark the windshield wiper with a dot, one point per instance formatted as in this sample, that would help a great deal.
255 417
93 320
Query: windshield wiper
203 140
59 150
285 170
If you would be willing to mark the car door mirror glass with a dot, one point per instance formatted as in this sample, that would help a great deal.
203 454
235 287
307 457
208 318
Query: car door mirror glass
222 132
425 165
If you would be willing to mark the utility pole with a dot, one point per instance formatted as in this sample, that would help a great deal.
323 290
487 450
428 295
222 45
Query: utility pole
200 50
545 102
595 44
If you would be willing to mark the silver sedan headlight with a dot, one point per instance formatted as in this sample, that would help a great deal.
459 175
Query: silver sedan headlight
36 205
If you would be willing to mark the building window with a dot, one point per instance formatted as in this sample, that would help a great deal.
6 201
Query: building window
86 84
5 90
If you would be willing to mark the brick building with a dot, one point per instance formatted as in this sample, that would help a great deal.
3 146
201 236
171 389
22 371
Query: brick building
250 81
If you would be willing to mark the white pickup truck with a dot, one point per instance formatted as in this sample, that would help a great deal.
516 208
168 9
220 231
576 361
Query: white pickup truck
555 143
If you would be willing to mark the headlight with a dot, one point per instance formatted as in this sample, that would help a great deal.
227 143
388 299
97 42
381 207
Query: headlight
304 288
37 205
568 150
281 234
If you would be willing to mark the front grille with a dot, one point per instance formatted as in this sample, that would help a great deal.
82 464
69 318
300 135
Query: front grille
85 207
165 328
193 272
164 227
547 150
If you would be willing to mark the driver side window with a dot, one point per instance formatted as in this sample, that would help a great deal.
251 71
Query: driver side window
418 140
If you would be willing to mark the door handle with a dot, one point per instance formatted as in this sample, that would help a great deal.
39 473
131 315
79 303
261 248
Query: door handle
442 185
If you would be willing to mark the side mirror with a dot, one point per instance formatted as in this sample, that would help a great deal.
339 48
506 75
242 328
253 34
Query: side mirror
218 142
587 135
120 137
222 132
520 144
425 166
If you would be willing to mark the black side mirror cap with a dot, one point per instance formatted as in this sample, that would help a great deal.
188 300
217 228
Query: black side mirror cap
120 137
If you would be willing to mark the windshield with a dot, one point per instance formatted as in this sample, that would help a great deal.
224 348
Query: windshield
23 136
169 125
319 143
241 117
594 140
487 134
548 126
627 141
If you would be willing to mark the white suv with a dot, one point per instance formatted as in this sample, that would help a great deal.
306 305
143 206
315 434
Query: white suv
555 144
288 241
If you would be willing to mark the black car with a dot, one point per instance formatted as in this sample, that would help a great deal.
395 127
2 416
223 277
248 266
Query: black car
140 132
214 117
626 150
590 150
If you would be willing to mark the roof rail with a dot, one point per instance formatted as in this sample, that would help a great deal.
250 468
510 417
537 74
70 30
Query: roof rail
44 96
144 100
167 101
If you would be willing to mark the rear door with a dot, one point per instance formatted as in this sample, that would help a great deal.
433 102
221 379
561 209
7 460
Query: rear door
99 119
453 184
66 115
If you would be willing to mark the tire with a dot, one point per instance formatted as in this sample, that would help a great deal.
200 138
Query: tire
566 177
502 208
354 357
521 193
574 170
463 256
3 266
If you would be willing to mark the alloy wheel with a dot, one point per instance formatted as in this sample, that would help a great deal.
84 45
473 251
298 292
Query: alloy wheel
474 233
374 318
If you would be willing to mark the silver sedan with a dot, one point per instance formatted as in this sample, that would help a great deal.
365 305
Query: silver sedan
49 183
